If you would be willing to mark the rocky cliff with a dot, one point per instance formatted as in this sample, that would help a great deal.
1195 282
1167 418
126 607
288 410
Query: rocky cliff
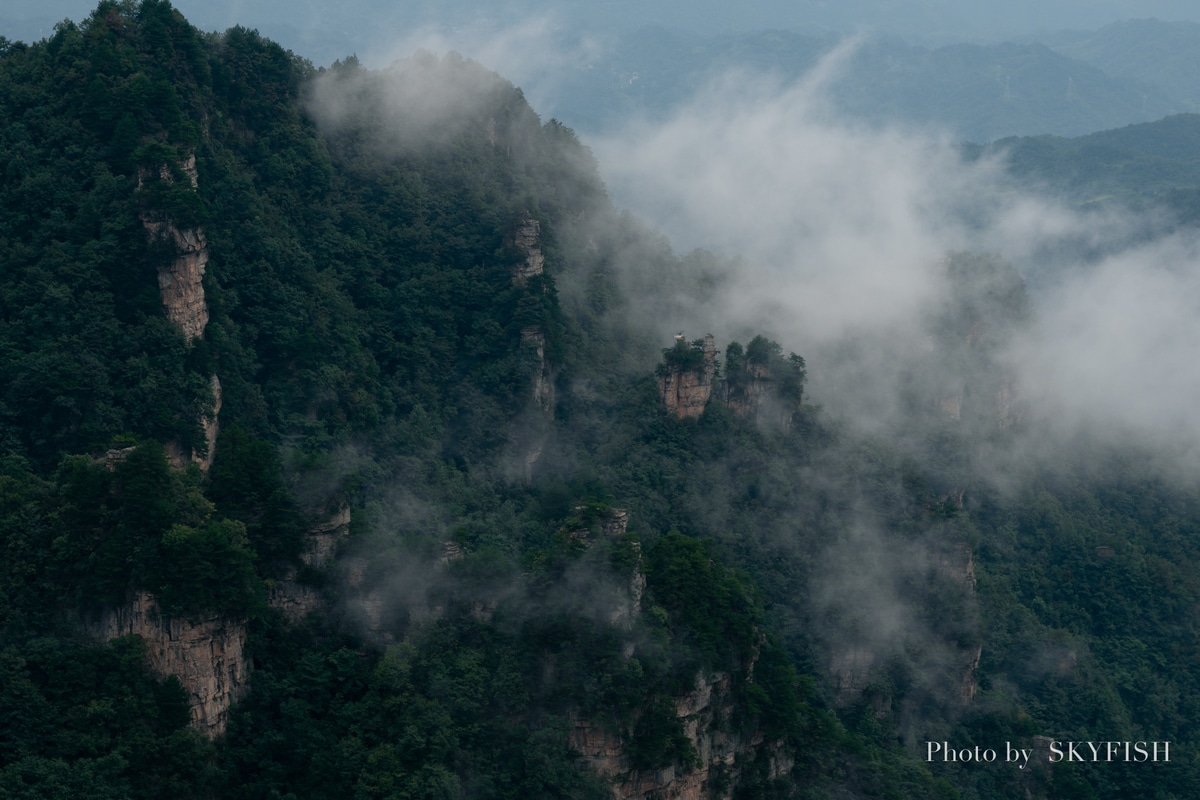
534 340
705 713
181 287
295 599
754 393
612 524
685 382
953 665
180 281
208 655
528 240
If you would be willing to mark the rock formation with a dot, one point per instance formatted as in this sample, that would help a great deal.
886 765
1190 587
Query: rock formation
208 655
684 387
850 672
527 239
612 524
705 712
543 386
180 282
747 398
294 599
755 394
181 286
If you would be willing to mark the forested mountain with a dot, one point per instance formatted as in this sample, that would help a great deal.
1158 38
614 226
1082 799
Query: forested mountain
1165 55
338 461
1154 165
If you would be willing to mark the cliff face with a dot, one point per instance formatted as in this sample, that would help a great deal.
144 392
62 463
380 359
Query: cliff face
952 673
295 600
612 524
528 241
754 394
685 391
180 282
181 286
543 387
705 712
208 655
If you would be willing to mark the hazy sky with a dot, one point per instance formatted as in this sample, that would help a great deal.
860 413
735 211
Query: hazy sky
322 30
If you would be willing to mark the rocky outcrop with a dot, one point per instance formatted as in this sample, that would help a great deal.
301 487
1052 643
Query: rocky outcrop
754 394
612 524
967 691
212 427
527 239
705 713
534 340
181 287
180 282
685 384
850 672
958 564
208 655
295 599
747 397
180 456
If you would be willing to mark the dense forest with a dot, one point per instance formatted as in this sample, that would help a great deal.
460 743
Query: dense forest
336 374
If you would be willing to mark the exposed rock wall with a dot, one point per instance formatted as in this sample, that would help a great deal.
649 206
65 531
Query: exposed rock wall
613 523
208 655
296 600
212 427
533 338
686 392
180 282
528 239
850 672
749 397
754 395
705 713
181 287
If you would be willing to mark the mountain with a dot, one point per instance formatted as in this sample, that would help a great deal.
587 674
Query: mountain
1165 55
1154 165
347 451
969 91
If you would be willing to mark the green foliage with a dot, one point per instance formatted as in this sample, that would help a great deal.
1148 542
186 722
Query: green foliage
683 357
364 322
713 606
90 722
658 739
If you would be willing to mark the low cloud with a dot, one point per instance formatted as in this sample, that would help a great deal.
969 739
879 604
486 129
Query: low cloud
841 231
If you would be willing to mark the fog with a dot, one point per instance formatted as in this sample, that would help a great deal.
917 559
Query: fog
840 230
837 236
322 30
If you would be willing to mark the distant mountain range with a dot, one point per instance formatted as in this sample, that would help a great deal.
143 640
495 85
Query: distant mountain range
1163 55
1139 166
972 92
